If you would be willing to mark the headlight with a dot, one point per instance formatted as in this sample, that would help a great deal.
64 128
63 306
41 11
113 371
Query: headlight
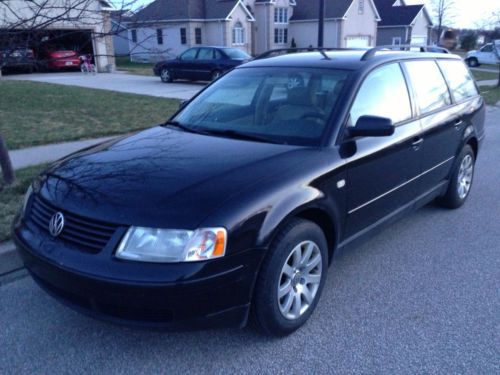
26 200
171 245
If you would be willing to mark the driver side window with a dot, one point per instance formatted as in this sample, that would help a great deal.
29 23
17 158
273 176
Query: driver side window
384 94
190 54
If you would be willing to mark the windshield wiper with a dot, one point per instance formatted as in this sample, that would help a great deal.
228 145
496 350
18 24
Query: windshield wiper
178 125
239 135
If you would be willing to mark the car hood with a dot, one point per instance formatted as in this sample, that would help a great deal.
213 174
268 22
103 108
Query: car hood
160 177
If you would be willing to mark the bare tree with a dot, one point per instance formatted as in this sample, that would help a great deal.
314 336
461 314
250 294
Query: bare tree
444 12
31 25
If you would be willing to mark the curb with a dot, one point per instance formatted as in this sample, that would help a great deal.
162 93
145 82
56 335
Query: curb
10 260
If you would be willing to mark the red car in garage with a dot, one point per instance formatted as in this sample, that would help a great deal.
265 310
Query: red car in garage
58 59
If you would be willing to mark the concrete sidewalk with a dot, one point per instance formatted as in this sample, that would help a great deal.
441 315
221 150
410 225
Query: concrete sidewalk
43 154
120 82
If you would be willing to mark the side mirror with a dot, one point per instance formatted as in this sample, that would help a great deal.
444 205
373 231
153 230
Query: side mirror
183 103
372 126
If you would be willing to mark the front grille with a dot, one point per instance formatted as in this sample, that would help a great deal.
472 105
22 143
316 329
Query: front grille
86 234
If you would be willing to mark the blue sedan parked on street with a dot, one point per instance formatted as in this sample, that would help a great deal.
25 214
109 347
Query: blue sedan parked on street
201 64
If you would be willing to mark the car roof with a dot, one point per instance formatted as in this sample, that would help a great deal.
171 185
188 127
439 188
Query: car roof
343 59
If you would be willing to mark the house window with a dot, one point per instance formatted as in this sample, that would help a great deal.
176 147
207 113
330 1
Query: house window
159 36
238 34
396 41
361 6
183 35
133 35
280 15
197 35
281 36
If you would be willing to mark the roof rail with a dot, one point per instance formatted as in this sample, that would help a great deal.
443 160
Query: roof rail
285 51
402 47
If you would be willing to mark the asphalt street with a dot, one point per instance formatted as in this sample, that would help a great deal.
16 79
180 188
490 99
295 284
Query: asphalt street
421 297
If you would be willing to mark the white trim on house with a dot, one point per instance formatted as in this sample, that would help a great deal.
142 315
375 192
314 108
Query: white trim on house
377 15
398 39
250 16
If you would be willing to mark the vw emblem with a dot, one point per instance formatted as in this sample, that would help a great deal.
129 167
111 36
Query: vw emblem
56 224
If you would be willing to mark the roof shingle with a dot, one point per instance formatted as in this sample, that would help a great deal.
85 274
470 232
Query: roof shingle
309 10
167 10
397 15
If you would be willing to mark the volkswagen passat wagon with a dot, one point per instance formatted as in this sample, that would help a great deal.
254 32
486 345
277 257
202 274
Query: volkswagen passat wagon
235 207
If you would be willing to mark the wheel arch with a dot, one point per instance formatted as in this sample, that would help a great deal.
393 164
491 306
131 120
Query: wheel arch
319 215
474 144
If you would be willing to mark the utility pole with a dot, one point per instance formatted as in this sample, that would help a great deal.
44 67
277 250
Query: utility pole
321 22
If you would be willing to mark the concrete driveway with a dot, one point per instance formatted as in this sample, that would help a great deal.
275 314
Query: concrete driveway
120 82
422 297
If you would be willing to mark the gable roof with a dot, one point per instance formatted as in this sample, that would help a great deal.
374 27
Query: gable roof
397 15
169 10
308 10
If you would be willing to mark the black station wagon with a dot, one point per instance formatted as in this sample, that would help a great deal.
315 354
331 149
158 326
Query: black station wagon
235 207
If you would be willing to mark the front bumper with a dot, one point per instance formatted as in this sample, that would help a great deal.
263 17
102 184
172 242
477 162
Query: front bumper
173 296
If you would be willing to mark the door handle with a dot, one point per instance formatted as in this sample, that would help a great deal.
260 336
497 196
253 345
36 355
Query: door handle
417 143
457 124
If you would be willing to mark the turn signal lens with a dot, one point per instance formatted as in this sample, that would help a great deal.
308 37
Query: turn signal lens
172 246
207 244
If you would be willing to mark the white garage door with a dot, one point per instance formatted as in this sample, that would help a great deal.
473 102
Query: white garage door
419 40
357 41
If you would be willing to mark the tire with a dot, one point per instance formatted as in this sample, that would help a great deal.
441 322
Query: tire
472 62
461 180
166 75
275 316
216 74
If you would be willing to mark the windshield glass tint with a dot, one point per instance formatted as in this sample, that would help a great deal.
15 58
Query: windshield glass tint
235 53
284 105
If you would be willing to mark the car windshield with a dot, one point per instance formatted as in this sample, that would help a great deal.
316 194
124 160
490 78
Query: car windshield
279 105
235 53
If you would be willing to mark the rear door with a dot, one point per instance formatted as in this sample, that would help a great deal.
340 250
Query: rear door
441 122
382 171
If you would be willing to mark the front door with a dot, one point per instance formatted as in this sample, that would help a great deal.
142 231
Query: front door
487 55
205 63
382 172
187 64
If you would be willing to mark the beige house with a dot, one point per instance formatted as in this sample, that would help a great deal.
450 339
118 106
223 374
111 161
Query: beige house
81 25
168 27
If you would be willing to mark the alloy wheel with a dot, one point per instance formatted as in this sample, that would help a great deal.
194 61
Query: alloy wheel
165 75
299 280
465 176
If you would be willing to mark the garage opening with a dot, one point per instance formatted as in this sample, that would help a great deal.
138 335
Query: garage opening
45 50
359 41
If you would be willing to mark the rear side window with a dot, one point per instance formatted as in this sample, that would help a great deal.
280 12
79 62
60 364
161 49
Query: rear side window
384 94
429 85
461 83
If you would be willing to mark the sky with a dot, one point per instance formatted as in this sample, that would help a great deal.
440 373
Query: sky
468 12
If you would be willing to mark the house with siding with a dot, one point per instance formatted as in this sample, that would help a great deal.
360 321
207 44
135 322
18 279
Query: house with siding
403 24
168 27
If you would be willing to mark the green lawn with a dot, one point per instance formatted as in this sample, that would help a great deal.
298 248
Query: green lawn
11 197
491 94
33 113
143 69
481 76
